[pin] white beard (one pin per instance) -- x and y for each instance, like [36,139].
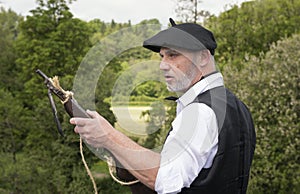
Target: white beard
[184,82]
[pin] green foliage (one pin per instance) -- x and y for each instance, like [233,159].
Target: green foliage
[160,116]
[101,29]
[41,162]
[9,21]
[35,159]
[151,89]
[252,28]
[270,86]
[33,156]
[13,123]
[109,186]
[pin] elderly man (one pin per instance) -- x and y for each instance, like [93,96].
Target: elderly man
[211,143]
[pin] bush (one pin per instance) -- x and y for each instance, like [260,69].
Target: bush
[270,86]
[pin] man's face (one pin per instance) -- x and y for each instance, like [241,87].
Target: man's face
[179,70]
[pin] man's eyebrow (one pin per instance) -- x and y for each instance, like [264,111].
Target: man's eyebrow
[171,51]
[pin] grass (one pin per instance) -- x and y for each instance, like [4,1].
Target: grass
[129,120]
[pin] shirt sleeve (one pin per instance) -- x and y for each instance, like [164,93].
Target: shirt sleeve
[190,146]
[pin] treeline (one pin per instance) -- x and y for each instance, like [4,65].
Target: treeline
[258,53]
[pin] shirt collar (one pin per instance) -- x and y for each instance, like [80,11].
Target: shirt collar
[208,82]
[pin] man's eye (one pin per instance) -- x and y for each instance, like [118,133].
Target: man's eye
[172,55]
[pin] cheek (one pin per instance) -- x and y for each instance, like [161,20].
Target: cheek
[180,69]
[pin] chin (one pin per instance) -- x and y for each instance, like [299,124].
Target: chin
[177,90]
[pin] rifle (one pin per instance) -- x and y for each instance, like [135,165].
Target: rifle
[75,110]
[66,97]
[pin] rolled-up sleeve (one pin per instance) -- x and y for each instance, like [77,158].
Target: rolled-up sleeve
[190,146]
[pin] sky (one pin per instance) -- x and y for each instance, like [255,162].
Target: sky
[122,10]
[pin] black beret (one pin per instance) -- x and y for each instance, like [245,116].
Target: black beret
[188,36]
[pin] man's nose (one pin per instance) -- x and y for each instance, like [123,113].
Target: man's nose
[164,65]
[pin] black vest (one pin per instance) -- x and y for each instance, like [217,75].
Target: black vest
[230,170]
[229,173]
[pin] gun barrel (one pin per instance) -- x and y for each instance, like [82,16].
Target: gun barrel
[41,74]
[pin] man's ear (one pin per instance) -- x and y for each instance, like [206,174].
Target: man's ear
[203,58]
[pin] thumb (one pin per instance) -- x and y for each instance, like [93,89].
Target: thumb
[73,121]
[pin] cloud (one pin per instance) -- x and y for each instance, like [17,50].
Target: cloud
[124,10]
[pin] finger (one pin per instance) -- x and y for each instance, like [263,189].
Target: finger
[76,129]
[78,121]
[80,130]
[73,121]
[92,114]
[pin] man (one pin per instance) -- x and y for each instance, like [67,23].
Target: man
[210,146]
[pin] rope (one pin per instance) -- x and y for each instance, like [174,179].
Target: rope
[111,164]
[87,168]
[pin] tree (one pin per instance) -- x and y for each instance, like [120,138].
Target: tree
[189,11]
[12,124]
[9,21]
[52,40]
[270,87]
[250,29]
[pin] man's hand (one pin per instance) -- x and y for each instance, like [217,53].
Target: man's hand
[97,132]
[94,130]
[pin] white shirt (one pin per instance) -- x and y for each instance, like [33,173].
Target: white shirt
[193,142]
